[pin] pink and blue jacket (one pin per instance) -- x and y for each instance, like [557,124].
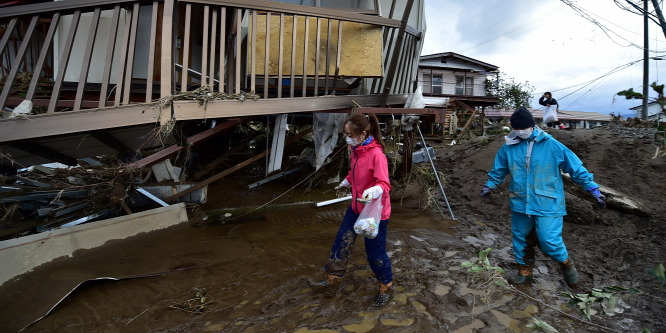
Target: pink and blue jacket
[368,168]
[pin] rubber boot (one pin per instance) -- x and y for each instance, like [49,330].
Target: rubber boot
[570,273]
[524,275]
[563,127]
[385,294]
[328,286]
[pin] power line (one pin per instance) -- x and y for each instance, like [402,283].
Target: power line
[608,32]
[512,30]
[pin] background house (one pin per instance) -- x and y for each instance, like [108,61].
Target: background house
[655,112]
[456,84]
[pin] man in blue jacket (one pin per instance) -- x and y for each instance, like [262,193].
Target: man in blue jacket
[534,159]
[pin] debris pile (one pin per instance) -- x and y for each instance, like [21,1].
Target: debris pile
[45,197]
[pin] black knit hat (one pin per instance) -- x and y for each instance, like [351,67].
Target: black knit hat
[522,119]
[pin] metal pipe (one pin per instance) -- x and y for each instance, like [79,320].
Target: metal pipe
[435,171]
[330,202]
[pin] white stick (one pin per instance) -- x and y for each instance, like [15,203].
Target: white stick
[330,202]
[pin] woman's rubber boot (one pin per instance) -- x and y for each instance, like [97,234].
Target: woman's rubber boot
[524,275]
[328,286]
[570,273]
[562,126]
[385,294]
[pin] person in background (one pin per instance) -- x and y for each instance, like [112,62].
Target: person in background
[547,100]
[368,179]
[534,159]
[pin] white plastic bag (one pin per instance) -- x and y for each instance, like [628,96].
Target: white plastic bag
[549,114]
[367,223]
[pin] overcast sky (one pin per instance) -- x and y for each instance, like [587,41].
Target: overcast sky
[548,44]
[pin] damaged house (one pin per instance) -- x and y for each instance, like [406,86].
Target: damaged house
[147,80]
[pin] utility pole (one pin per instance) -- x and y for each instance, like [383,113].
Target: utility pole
[646,59]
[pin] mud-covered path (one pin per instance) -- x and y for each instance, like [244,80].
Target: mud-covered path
[253,269]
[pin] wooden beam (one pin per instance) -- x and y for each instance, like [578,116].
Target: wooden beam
[9,80]
[214,163]
[166,67]
[110,48]
[396,54]
[231,170]
[87,55]
[191,141]
[469,122]
[64,60]
[107,139]
[151,54]
[47,153]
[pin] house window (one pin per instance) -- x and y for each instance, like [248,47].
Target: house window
[437,84]
[464,85]
[427,84]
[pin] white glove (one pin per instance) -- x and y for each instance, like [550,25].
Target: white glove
[373,192]
[343,184]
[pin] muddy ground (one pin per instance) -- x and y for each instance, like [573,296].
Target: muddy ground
[253,269]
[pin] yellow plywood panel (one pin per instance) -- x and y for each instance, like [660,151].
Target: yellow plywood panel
[361,54]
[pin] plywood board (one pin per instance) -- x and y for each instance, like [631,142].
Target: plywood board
[361,53]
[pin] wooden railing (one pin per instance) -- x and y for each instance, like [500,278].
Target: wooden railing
[74,54]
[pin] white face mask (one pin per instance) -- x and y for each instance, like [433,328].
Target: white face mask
[353,141]
[524,133]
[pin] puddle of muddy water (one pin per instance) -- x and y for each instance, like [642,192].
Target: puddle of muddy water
[253,270]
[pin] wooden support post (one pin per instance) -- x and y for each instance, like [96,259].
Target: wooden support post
[396,54]
[166,67]
[407,150]
[469,122]
[277,148]
[483,120]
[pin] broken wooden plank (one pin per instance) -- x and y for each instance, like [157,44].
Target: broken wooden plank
[275,176]
[214,163]
[35,149]
[232,169]
[58,212]
[40,195]
[30,182]
[191,141]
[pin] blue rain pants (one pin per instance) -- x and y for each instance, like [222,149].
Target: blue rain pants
[375,250]
[548,231]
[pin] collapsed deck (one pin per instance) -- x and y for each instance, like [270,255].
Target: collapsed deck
[98,77]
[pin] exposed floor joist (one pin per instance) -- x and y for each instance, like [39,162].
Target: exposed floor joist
[49,154]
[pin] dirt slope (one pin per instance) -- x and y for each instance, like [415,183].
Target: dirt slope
[613,246]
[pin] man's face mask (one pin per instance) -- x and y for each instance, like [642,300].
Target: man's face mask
[524,133]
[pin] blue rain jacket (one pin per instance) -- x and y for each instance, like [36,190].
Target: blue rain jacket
[537,190]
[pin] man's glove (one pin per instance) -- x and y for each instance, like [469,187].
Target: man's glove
[341,190]
[374,192]
[601,199]
[485,194]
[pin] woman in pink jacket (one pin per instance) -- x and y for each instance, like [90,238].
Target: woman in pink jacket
[368,179]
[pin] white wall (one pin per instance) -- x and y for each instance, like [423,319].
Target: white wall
[98,60]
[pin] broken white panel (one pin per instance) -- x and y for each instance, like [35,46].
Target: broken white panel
[21,255]
[326,127]
[277,147]
[164,171]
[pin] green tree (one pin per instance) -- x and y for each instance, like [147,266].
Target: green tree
[511,94]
